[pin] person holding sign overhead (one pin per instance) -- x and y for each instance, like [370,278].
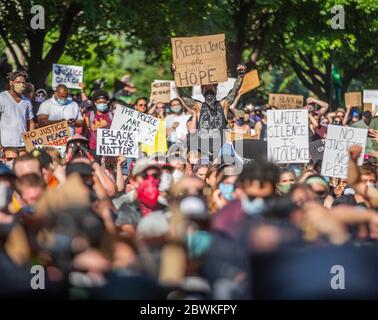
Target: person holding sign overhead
[58,108]
[212,114]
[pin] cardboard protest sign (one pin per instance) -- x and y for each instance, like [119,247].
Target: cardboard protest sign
[250,82]
[287,133]
[317,150]
[199,60]
[52,135]
[368,107]
[353,99]
[113,143]
[70,76]
[161,92]
[222,90]
[127,119]
[285,101]
[336,155]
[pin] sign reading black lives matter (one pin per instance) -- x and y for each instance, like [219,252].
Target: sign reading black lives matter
[199,60]
[115,143]
[127,119]
[288,136]
[70,76]
[336,151]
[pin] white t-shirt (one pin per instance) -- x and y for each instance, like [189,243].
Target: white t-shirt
[13,119]
[181,131]
[55,111]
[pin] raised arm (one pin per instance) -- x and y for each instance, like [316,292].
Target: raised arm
[323,105]
[229,100]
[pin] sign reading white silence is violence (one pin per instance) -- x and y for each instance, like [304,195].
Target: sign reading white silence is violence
[288,136]
[127,119]
[336,150]
[115,143]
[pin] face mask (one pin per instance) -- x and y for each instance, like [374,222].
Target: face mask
[176,109]
[148,191]
[210,97]
[227,191]
[165,181]
[239,122]
[28,209]
[285,188]
[19,88]
[39,99]
[9,164]
[198,243]
[101,107]
[62,102]
[253,207]
[177,175]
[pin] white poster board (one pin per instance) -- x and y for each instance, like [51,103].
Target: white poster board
[336,149]
[113,143]
[287,134]
[222,90]
[70,76]
[173,88]
[371,96]
[127,119]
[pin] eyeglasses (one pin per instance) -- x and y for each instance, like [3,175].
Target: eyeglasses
[156,175]
[142,105]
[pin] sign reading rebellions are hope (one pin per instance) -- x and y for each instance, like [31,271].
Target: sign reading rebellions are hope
[199,60]
[52,135]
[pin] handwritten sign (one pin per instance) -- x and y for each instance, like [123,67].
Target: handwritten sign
[199,60]
[52,135]
[250,82]
[336,155]
[222,90]
[127,119]
[114,143]
[288,136]
[70,76]
[161,92]
[371,96]
[368,107]
[353,99]
[285,101]
[173,93]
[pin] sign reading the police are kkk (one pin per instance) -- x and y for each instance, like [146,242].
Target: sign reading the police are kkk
[161,92]
[127,119]
[115,143]
[285,101]
[336,149]
[199,60]
[52,135]
[288,136]
[70,76]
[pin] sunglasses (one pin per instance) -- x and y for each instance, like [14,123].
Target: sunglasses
[142,105]
[156,175]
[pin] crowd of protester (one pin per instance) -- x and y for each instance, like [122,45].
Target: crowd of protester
[179,224]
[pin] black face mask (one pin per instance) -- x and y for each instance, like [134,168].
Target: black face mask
[210,97]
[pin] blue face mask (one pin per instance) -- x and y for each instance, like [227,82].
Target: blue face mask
[253,207]
[62,102]
[101,107]
[227,191]
[198,243]
[239,122]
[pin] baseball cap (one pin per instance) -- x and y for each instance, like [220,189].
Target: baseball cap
[77,137]
[144,164]
[83,169]
[240,114]
[194,207]
[153,225]
[340,110]
[100,94]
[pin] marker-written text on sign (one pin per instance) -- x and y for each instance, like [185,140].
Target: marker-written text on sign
[115,143]
[288,136]
[199,60]
[336,152]
[127,119]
